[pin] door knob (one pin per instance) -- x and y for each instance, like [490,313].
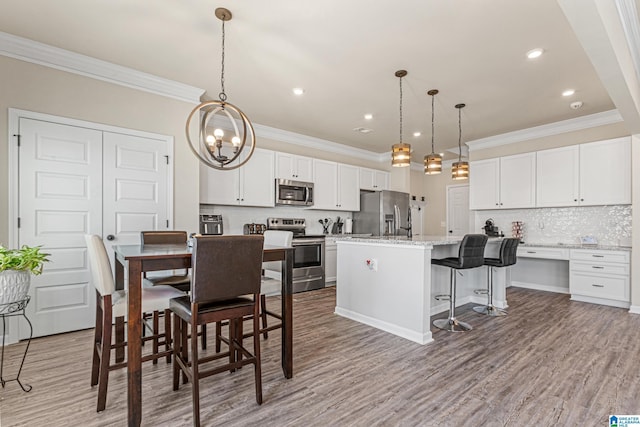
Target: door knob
[111,237]
[450,231]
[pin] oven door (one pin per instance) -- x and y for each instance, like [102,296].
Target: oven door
[308,253]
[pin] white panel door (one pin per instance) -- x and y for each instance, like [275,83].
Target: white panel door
[458,210]
[558,177]
[484,185]
[60,200]
[518,181]
[257,179]
[325,181]
[348,188]
[605,172]
[134,188]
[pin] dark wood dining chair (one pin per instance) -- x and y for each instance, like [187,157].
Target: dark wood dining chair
[180,281]
[225,285]
[113,304]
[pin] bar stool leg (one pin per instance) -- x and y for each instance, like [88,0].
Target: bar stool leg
[452,324]
[490,309]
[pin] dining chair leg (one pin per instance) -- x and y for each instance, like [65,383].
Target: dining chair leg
[195,383]
[256,355]
[185,349]
[218,333]
[203,336]
[156,329]
[167,333]
[263,314]
[97,344]
[103,379]
[232,339]
[177,348]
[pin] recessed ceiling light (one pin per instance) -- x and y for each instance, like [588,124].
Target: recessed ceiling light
[368,116]
[417,134]
[441,154]
[568,92]
[535,53]
[298,91]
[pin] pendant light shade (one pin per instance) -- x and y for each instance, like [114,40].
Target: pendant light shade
[225,137]
[432,162]
[460,169]
[401,152]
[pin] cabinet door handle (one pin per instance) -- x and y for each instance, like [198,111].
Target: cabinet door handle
[598,256]
[531,252]
[598,267]
[597,286]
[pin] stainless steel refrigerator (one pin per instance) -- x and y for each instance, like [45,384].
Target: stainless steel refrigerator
[383,213]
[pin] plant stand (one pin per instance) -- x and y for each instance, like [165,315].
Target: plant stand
[12,309]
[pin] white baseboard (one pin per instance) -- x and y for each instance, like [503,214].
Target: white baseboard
[538,287]
[415,336]
[601,301]
[634,309]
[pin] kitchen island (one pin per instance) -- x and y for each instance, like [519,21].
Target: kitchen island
[389,283]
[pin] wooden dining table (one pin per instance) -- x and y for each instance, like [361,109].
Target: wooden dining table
[134,260]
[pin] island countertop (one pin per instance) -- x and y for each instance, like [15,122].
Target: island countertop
[414,241]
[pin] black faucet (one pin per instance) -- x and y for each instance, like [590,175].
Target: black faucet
[408,227]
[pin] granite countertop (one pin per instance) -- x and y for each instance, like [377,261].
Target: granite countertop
[414,241]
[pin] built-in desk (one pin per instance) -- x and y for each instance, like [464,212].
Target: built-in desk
[595,274]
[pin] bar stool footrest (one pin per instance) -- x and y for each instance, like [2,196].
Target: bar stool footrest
[452,325]
[490,310]
[444,297]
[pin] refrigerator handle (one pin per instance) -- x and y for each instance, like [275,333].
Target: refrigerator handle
[396,220]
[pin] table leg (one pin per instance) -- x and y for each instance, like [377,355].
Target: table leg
[134,329]
[287,314]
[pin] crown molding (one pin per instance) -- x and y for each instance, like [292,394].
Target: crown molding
[293,138]
[629,17]
[64,60]
[557,128]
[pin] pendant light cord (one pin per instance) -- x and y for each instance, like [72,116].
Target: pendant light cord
[400,110]
[222,95]
[459,135]
[433,98]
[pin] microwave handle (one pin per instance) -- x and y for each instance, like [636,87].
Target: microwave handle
[307,194]
[396,220]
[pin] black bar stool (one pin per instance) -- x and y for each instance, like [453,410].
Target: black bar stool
[470,255]
[508,256]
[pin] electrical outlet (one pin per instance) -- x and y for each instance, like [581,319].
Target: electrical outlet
[372,264]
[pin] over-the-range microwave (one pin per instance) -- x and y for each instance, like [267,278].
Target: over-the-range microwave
[294,192]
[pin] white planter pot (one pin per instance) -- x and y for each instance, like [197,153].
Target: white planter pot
[14,285]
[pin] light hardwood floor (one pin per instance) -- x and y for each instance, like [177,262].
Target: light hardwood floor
[551,362]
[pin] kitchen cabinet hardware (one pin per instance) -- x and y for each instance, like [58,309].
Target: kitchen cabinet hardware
[597,286]
[597,256]
[598,267]
[111,237]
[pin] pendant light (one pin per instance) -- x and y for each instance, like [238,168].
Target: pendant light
[401,152]
[460,169]
[215,148]
[432,162]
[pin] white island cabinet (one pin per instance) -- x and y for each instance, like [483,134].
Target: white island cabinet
[389,283]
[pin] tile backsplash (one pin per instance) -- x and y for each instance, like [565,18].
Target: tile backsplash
[609,224]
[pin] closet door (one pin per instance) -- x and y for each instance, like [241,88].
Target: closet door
[60,200]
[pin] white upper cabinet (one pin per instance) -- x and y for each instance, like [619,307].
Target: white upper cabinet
[503,183]
[605,172]
[597,173]
[558,177]
[250,185]
[518,181]
[372,179]
[296,168]
[336,186]
[484,185]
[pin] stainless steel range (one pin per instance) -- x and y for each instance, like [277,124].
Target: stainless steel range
[308,260]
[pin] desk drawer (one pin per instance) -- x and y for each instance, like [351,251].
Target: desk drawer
[603,268]
[592,285]
[600,256]
[546,253]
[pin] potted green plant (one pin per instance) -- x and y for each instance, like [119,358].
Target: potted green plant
[16,268]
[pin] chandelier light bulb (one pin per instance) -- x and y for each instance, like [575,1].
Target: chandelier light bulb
[210,139]
[235,141]
[218,133]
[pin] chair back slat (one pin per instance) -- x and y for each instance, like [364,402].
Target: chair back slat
[225,267]
[471,253]
[99,264]
[509,251]
[164,237]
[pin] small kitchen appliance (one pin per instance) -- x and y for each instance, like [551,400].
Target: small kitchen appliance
[211,224]
[490,229]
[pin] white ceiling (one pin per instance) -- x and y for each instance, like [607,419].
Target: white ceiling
[344,54]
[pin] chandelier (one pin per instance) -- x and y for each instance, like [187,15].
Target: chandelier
[460,169]
[401,152]
[224,131]
[433,161]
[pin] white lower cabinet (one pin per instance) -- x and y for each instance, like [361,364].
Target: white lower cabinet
[330,260]
[600,276]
